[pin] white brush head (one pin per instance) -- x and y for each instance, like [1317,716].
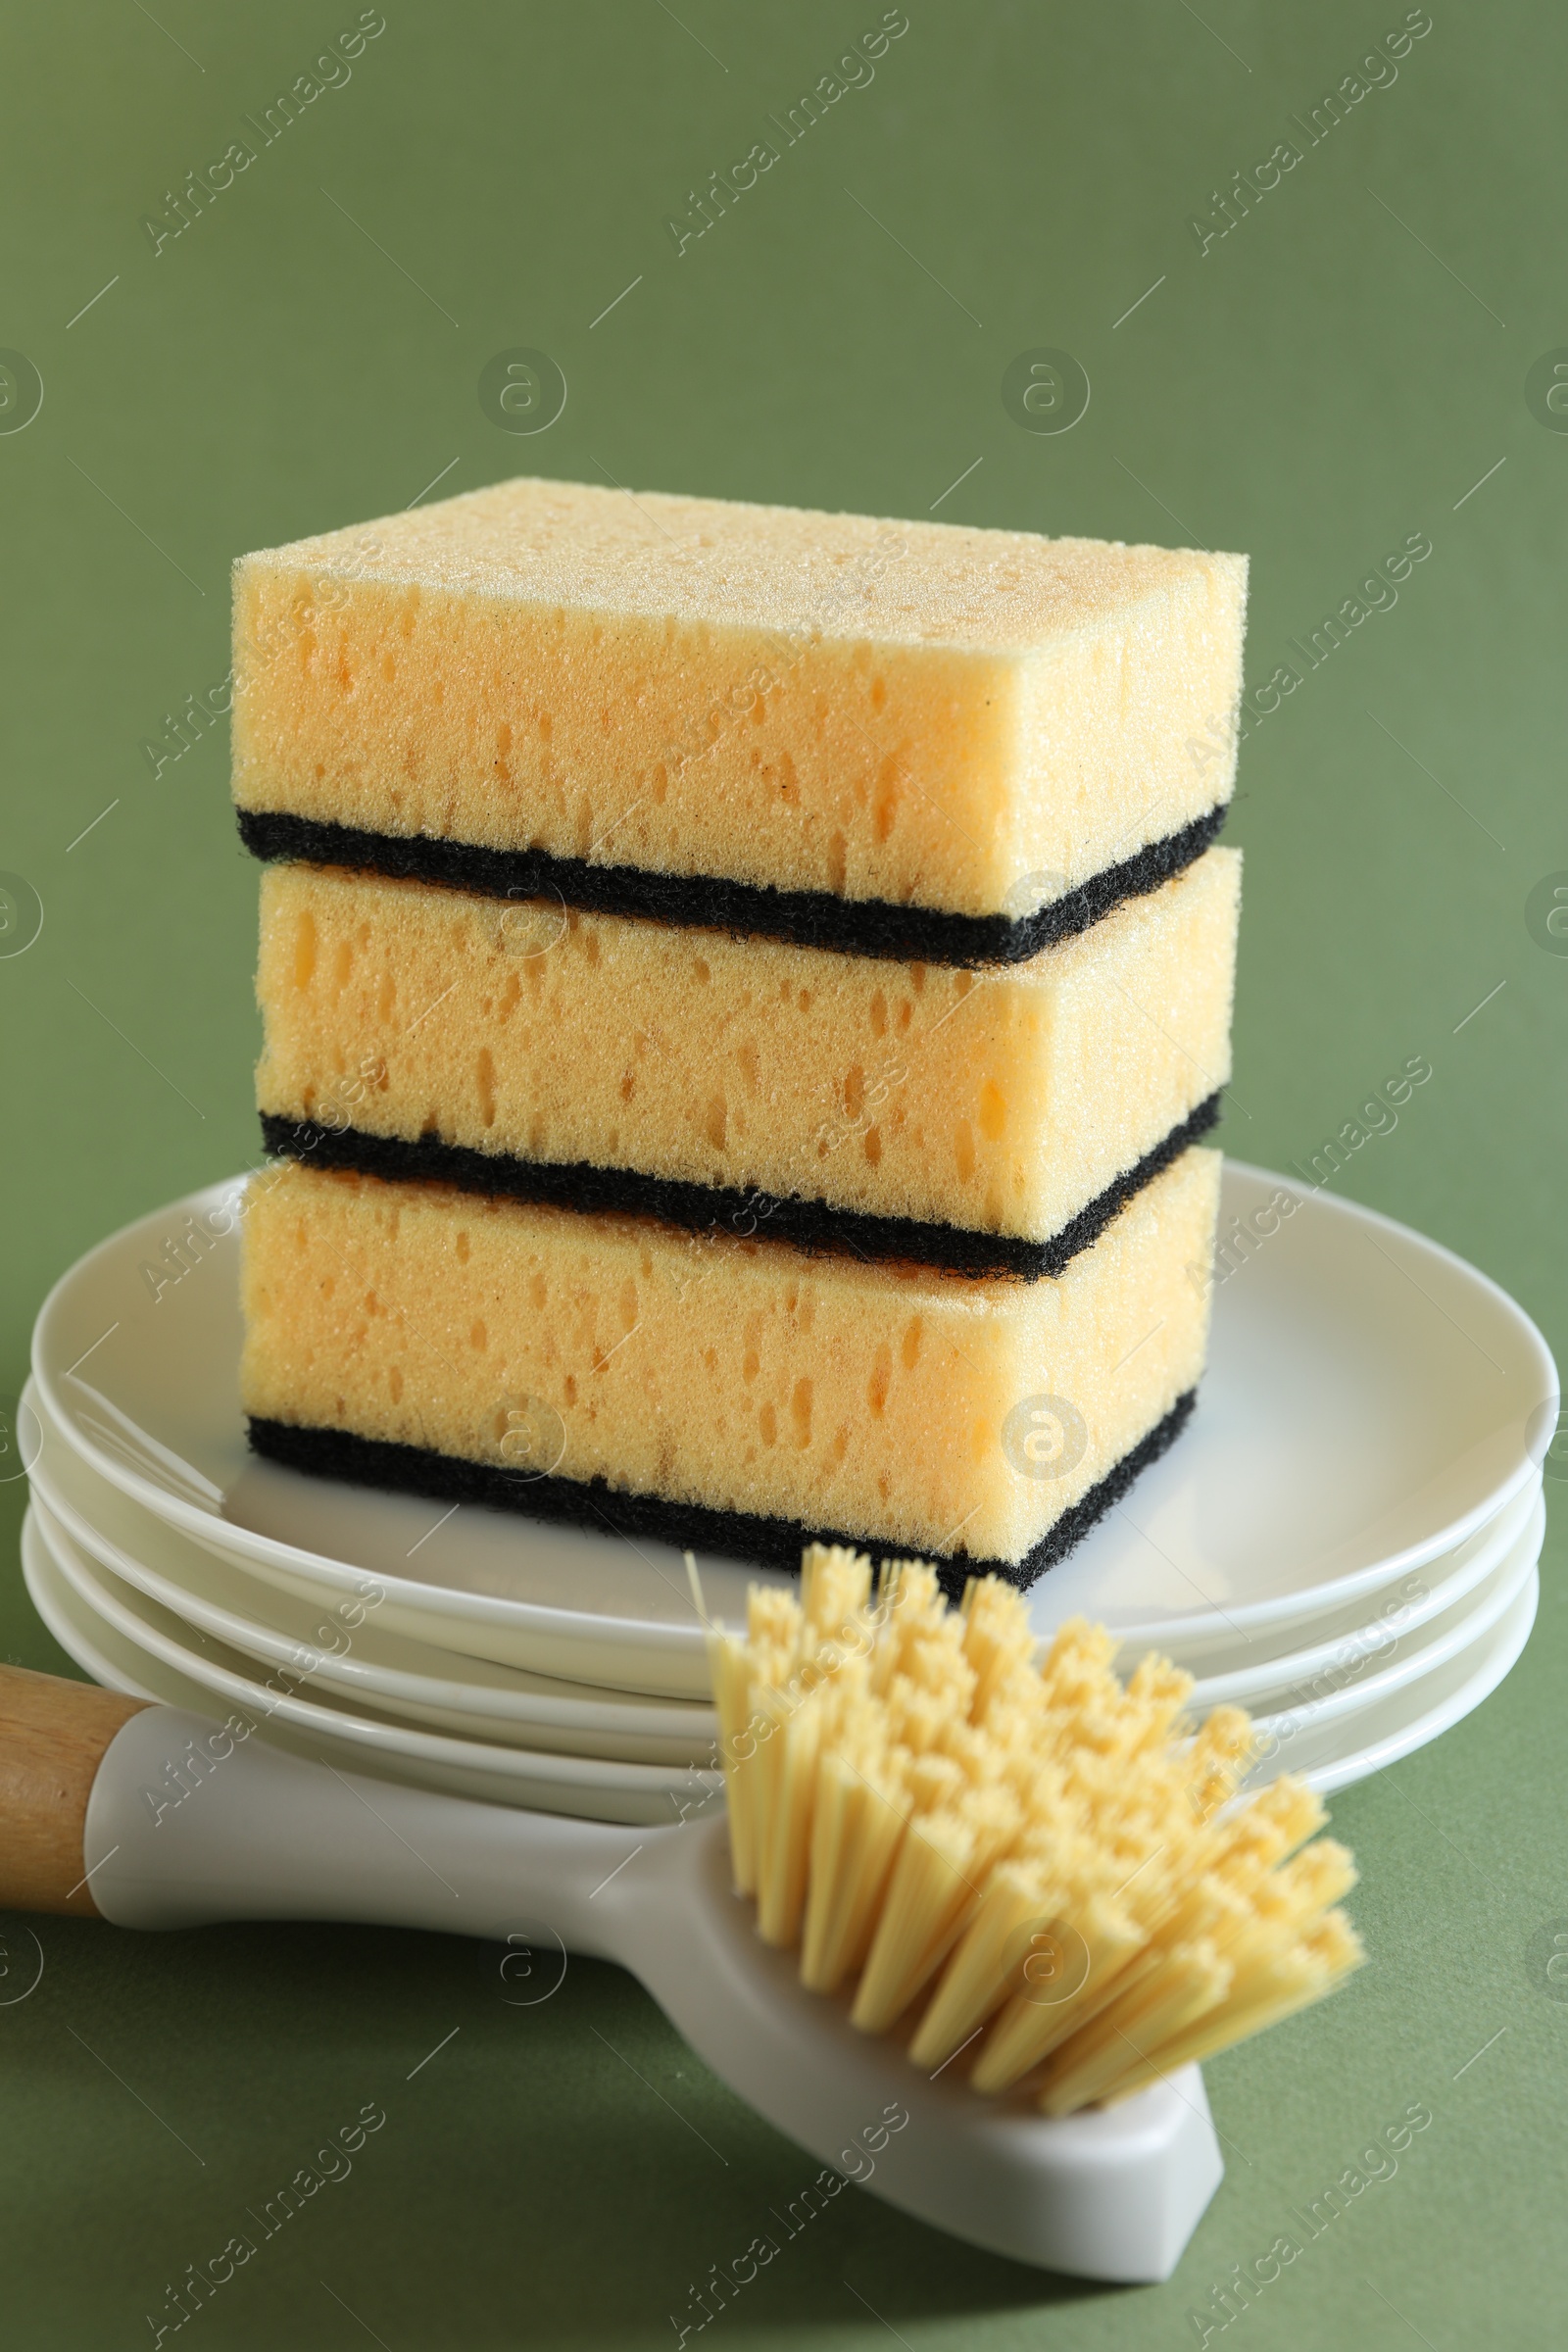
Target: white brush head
[1111,2194]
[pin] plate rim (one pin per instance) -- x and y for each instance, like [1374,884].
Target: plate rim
[1514,1572]
[554,1622]
[404,1742]
[1220,1689]
[610,1712]
[1365,1763]
[1506,1646]
[612,1704]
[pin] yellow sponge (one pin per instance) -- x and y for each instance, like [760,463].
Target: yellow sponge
[1002,1102]
[728,1394]
[915,715]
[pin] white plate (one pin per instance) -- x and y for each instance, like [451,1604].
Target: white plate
[1329,1755]
[1333,1755]
[1340,1691]
[1355,1684]
[1412,1616]
[356,1660]
[1371,1402]
[1423,1619]
[128,1642]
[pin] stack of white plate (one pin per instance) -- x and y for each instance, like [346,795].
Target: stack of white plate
[1344,1542]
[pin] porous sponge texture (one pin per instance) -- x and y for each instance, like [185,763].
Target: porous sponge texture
[890,1402]
[1001,1102]
[920,714]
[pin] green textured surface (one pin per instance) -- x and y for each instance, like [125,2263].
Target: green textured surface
[1333,374]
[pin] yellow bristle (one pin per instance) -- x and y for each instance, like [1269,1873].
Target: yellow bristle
[1192,1981]
[1056,1864]
[911,1608]
[1296,1811]
[1318,1877]
[835,1585]
[786,1762]
[859,1822]
[1334,1943]
[1076,1670]
[931,1887]
[772,1615]
[1296,1979]
[981,1973]
[1159,1692]
[993,1814]
[1208,1904]
[1092,1941]
[1218,1761]
[1250,1850]
[997,1640]
[933,1781]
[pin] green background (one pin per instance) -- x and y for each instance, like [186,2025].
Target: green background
[1335,373]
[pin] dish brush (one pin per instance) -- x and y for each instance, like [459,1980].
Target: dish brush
[971,1889]
[1030,1872]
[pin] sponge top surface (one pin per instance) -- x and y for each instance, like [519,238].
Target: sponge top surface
[582,548]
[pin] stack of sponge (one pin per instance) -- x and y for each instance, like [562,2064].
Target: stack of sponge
[743,989]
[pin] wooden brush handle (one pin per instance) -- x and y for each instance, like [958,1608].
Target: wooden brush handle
[53,1735]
